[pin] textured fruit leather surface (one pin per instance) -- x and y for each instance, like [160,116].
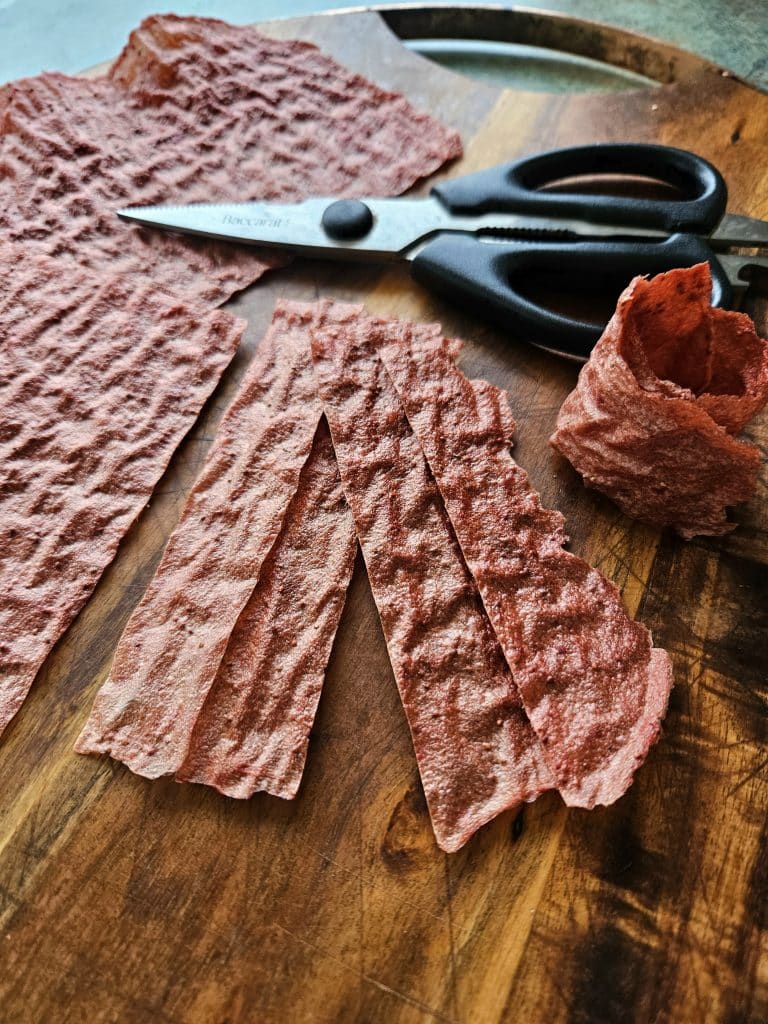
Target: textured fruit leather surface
[125,899]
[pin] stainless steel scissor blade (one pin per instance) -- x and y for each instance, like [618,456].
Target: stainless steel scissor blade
[398,226]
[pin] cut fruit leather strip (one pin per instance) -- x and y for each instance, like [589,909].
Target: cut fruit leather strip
[84,441]
[476,751]
[196,110]
[594,689]
[253,730]
[170,651]
[650,420]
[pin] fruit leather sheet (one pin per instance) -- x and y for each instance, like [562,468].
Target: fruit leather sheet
[99,381]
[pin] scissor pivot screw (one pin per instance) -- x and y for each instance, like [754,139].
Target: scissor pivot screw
[347,219]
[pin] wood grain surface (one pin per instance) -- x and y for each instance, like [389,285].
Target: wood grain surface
[136,902]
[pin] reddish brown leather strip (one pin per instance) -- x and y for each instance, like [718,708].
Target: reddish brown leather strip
[594,689]
[476,751]
[170,651]
[252,732]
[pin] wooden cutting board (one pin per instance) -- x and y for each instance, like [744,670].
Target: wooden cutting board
[132,901]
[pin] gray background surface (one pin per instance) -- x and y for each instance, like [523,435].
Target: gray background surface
[37,35]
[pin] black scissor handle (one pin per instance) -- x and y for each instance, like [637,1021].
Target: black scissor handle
[513,187]
[480,276]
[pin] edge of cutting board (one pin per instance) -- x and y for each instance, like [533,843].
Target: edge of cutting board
[581,37]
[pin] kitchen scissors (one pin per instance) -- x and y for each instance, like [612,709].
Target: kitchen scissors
[475,238]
